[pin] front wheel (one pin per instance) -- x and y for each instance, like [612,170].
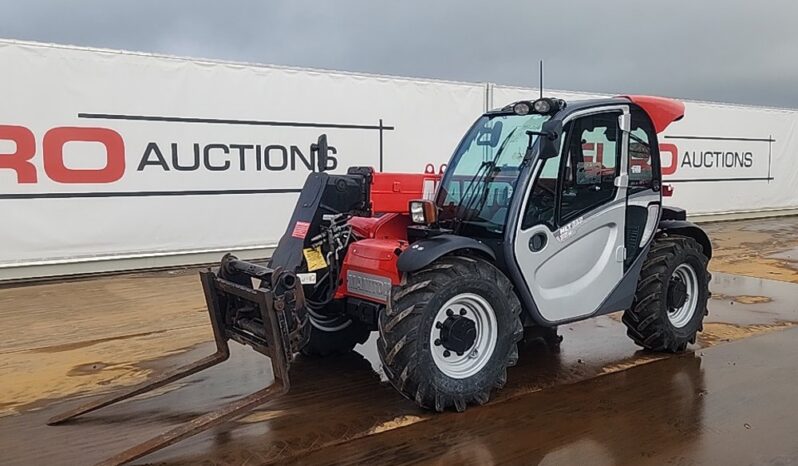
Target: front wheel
[449,333]
[671,298]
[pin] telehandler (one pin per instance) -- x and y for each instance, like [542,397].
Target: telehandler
[547,213]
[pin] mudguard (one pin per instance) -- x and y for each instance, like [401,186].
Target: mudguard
[689,229]
[425,251]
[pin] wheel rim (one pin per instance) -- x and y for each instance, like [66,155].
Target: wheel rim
[680,314]
[485,333]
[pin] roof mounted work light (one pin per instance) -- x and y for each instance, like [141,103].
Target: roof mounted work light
[522,108]
[544,106]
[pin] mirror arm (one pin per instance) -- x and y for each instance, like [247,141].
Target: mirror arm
[550,135]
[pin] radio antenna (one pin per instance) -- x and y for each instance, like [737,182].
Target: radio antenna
[541,79]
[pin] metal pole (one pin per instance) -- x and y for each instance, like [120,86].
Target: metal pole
[541,79]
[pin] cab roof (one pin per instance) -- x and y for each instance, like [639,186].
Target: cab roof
[661,110]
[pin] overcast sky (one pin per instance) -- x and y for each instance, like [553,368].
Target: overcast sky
[723,50]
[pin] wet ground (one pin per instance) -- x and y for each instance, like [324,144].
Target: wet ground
[598,401]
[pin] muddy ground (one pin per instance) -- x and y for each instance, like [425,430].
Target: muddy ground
[732,399]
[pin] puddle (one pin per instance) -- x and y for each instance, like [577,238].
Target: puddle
[681,410]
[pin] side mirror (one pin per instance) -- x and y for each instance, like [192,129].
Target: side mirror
[549,139]
[321,149]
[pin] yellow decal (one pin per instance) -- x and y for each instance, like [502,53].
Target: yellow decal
[314,258]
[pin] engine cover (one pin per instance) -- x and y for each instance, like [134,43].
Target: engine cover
[369,269]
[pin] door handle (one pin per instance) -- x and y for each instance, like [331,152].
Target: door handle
[537,242]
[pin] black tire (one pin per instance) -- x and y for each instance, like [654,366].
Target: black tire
[405,326]
[647,321]
[326,343]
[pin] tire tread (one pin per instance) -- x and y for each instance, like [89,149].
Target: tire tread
[399,324]
[647,325]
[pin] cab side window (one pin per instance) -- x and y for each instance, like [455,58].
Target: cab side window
[641,153]
[592,152]
[542,202]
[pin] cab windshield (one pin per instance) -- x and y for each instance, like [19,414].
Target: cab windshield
[479,181]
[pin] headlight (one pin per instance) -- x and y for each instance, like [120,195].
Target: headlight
[423,212]
[417,212]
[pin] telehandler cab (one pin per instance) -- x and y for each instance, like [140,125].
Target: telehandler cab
[548,213]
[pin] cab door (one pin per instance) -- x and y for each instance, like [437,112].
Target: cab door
[570,240]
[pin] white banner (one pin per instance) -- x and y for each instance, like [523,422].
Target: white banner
[107,154]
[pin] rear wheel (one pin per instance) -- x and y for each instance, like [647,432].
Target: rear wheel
[449,333]
[671,298]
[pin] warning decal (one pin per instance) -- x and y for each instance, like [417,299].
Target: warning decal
[301,230]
